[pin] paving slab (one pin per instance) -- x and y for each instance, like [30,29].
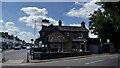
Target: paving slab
[14,61]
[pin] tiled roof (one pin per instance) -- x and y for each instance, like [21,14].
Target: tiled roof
[72,28]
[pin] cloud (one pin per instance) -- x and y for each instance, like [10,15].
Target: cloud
[92,35]
[35,16]
[84,11]
[1,21]
[75,24]
[80,3]
[35,11]
[12,29]
[26,36]
[1,25]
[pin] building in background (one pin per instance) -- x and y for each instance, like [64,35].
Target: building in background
[95,45]
[9,41]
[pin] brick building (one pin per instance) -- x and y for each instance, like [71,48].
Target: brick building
[64,38]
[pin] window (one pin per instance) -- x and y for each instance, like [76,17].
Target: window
[67,33]
[80,35]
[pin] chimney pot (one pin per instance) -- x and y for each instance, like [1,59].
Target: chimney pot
[60,23]
[83,24]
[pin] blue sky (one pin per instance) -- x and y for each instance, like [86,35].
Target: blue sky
[18,15]
[11,11]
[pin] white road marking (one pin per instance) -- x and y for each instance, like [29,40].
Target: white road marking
[94,62]
[87,63]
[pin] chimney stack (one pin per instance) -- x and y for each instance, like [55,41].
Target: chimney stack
[83,24]
[60,23]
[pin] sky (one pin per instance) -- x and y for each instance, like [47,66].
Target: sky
[19,18]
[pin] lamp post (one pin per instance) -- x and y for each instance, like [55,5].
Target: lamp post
[27,54]
[85,45]
[34,30]
[32,40]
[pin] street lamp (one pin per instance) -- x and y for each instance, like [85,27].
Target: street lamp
[32,40]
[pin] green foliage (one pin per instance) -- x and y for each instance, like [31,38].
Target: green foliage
[37,42]
[106,24]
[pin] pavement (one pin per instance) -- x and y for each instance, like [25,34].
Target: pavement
[15,56]
[56,59]
[14,62]
[66,58]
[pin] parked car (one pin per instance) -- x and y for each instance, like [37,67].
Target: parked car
[17,48]
[28,47]
[24,47]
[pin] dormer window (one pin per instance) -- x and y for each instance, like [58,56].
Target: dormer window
[80,35]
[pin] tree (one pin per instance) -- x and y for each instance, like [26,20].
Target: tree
[37,42]
[106,24]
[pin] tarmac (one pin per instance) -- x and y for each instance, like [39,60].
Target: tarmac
[47,60]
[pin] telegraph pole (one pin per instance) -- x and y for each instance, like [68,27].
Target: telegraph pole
[35,28]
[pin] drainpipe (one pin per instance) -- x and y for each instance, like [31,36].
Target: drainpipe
[85,46]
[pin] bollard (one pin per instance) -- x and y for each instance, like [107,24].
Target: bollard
[27,57]
[3,55]
[3,59]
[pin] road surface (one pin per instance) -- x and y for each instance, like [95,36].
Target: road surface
[15,54]
[94,61]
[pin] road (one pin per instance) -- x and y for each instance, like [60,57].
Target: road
[99,60]
[15,54]
[109,60]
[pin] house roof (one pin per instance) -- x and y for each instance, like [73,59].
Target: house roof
[65,28]
[72,28]
[52,30]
